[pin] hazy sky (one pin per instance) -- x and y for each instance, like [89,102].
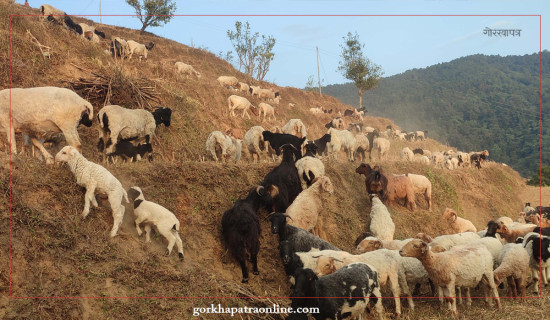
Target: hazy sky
[397,43]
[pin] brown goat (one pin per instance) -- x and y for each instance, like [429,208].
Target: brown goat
[510,235]
[400,187]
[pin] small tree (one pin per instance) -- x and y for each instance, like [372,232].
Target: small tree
[153,13]
[543,179]
[255,58]
[364,73]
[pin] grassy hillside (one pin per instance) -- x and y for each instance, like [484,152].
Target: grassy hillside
[473,103]
[55,253]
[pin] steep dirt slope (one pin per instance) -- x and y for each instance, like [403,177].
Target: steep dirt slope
[56,253]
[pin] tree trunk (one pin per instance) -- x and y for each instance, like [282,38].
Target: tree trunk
[360,98]
[143,28]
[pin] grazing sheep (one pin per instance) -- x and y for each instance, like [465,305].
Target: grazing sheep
[382,146]
[457,223]
[266,109]
[90,33]
[42,113]
[438,159]
[277,140]
[478,157]
[218,143]
[48,12]
[269,95]
[400,187]
[139,49]
[254,141]
[538,249]
[336,123]
[357,281]
[420,135]
[254,90]
[422,185]
[119,47]
[228,81]
[511,234]
[309,167]
[304,210]
[361,146]
[407,154]
[241,231]
[295,127]
[243,87]
[381,224]
[454,268]
[94,178]
[155,215]
[126,150]
[513,263]
[118,123]
[316,110]
[235,102]
[424,160]
[463,159]
[186,69]
[340,139]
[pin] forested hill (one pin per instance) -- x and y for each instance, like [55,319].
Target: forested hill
[474,103]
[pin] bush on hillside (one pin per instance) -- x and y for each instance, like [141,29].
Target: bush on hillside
[544,179]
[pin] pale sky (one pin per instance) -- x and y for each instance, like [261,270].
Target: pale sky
[397,43]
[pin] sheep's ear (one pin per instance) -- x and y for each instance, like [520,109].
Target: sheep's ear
[378,244]
[273,191]
[424,248]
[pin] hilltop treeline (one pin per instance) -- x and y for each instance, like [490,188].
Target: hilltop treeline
[474,103]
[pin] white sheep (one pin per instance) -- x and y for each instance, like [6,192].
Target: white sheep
[295,127]
[155,215]
[219,143]
[381,224]
[505,220]
[42,113]
[438,159]
[118,123]
[513,263]
[267,110]
[318,110]
[419,135]
[228,81]
[235,102]
[304,210]
[186,69]
[463,159]
[254,141]
[340,139]
[457,223]
[269,95]
[454,268]
[243,87]
[423,160]
[361,142]
[407,154]
[373,243]
[254,90]
[94,178]
[309,168]
[448,241]
[139,49]
[90,33]
[382,145]
[492,244]
[422,185]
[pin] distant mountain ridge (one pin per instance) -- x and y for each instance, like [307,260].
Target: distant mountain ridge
[474,103]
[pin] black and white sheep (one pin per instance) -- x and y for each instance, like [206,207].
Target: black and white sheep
[343,294]
[309,167]
[118,123]
[321,144]
[42,113]
[95,178]
[154,215]
[241,231]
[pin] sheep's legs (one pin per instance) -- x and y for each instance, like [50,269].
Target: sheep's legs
[491,281]
[378,305]
[90,191]
[255,248]
[118,213]
[536,278]
[451,294]
[512,288]
[45,153]
[147,229]
[171,242]
[394,283]
[406,290]
[179,244]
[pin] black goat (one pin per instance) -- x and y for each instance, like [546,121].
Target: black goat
[321,143]
[311,149]
[282,184]
[241,231]
[418,151]
[277,140]
[492,227]
[127,150]
[71,25]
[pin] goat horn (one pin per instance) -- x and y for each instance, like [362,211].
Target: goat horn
[286,215]
[269,215]
[337,260]
[315,257]
[258,189]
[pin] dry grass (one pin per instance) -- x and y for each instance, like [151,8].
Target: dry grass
[57,253]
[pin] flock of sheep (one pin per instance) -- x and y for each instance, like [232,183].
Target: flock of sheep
[295,192]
